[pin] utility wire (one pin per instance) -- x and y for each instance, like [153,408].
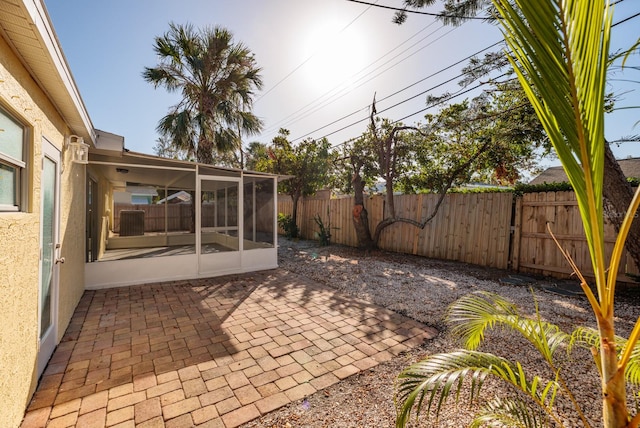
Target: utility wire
[409,86]
[339,88]
[417,12]
[442,101]
[311,56]
[447,99]
[359,83]
[413,114]
[626,19]
[406,100]
[439,15]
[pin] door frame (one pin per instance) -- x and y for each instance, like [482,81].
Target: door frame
[47,342]
[210,264]
[92,223]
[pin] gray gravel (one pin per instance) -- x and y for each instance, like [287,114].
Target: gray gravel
[422,289]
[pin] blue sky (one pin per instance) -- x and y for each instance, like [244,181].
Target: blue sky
[322,62]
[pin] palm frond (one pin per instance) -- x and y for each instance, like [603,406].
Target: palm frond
[626,54]
[178,126]
[225,140]
[216,78]
[511,412]
[565,65]
[433,380]
[472,315]
[589,338]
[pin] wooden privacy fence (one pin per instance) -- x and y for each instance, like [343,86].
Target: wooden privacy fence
[472,228]
[488,229]
[539,254]
[177,216]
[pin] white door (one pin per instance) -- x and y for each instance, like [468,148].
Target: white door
[49,254]
[218,225]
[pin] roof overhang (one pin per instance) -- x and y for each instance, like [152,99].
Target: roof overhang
[27,28]
[147,170]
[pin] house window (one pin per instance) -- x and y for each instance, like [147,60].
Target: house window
[12,164]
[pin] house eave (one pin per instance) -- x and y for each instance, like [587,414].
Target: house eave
[27,28]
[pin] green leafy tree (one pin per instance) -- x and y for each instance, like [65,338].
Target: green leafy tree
[256,151]
[559,49]
[216,79]
[165,148]
[308,163]
[490,138]
[354,171]
[497,131]
[617,191]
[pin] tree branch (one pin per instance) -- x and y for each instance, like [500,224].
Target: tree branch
[388,221]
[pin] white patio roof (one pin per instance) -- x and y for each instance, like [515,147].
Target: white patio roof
[131,167]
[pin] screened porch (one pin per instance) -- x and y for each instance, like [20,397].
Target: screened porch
[156,219]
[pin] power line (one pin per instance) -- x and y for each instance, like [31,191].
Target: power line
[359,83]
[409,86]
[311,56]
[439,15]
[339,88]
[444,15]
[413,114]
[626,19]
[457,94]
[442,101]
[406,100]
[337,94]
[446,99]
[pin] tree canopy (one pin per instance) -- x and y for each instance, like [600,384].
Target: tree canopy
[216,78]
[307,164]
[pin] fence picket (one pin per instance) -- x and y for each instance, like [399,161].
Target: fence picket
[488,229]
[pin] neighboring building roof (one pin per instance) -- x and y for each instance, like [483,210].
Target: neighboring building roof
[142,191]
[555,174]
[176,198]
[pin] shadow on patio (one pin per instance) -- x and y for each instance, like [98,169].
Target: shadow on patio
[212,352]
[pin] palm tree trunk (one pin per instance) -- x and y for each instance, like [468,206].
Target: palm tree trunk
[614,394]
[204,153]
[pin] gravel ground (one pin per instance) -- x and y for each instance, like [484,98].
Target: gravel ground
[422,289]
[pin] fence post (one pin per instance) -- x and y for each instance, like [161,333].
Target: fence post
[516,233]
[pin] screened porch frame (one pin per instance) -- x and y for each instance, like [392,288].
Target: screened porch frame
[241,255]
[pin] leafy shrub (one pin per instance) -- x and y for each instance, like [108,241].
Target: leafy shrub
[324,235]
[286,223]
[481,190]
[521,189]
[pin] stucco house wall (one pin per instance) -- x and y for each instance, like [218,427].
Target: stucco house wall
[37,90]
[22,97]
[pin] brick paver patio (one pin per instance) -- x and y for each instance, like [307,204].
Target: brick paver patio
[215,352]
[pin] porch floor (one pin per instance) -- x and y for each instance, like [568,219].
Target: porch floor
[215,352]
[175,250]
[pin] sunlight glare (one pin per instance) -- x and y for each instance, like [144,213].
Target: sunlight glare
[337,57]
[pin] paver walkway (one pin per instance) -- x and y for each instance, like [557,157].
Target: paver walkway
[215,352]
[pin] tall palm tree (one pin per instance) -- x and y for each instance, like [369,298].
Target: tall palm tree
[559,49]
[217,79]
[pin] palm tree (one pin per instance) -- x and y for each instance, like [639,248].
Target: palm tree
[216,78]
[559,49]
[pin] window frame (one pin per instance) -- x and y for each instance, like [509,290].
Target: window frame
[19,166]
